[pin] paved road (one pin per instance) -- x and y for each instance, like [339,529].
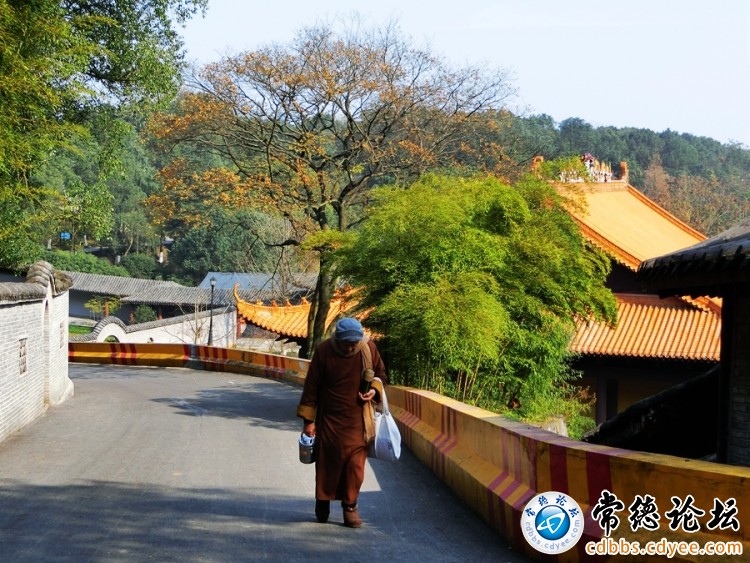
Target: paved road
[155,464]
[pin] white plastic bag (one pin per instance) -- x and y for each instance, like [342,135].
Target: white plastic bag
[387,442]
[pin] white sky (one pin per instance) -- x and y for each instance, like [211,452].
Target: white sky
[682,65]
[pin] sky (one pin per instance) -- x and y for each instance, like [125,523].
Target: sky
[682,65]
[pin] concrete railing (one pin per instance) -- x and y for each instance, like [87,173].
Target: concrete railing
[497,465]
[190,356]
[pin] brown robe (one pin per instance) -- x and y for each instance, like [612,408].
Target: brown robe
[330,398]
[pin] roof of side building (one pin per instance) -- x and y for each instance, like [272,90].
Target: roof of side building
[116,286]
[287,320]
[650,327]
[631,228]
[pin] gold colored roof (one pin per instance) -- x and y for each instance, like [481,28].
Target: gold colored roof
[627,225]
[650,327]
[631,228]
[286,320]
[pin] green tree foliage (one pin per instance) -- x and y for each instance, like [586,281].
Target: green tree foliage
[83,262]
[59,62]
[138,56]
[84,204]
[101,179]
[143,266]
[527,137]
[130,183]
[103,305]
[475,285]
[231,242]
[40,52]
[144,314]
[574,133]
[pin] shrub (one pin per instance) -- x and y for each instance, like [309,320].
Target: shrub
[141,266]
[144,314]
[83,262]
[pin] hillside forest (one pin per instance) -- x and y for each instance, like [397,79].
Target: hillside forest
[700,180]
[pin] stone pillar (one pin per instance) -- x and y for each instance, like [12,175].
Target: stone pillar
[624,172]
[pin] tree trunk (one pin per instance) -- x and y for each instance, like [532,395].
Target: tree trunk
[320,306]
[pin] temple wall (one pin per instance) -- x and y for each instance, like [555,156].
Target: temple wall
[33,350]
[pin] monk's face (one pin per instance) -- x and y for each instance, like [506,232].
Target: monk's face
[349,347]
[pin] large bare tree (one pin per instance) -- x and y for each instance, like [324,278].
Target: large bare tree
[308,127]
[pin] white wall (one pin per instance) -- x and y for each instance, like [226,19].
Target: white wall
[33,348]
[187,329]
[21,392]
[60,386]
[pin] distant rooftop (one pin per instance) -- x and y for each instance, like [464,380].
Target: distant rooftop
[116,286]
[263,286]
[650,327]
[627,225]
[253,287]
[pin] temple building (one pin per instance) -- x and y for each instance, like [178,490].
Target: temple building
[657,343]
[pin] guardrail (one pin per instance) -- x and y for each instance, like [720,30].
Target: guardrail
[190,356]
[497,465]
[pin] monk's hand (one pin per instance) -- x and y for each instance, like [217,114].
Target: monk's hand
[367,396]
[309,429]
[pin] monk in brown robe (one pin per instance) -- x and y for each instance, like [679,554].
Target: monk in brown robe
[335,407]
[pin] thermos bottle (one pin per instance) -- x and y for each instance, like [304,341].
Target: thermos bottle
[306,444]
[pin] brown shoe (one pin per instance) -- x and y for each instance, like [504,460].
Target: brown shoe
[322,510]
[351,517]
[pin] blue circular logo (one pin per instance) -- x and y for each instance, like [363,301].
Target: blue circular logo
[552,522]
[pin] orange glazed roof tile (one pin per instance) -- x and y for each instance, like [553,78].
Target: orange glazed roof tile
[650,327]
[631,228]
[287,320]
[627,225]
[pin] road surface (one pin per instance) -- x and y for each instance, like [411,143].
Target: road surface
[166,464]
